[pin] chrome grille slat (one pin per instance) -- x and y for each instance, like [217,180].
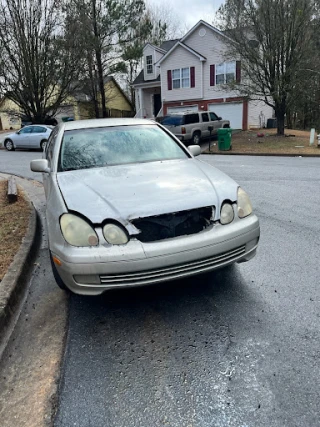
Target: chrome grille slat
[168,269]
[171,272]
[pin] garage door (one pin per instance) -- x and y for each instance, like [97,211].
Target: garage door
[175,110]
[229,111]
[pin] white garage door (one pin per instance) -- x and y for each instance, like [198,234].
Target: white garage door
[175,110]
[229,111]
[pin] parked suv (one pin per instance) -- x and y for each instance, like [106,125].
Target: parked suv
[194,126]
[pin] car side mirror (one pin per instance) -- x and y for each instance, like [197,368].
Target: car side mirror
[40,165]
[195,150]
[219,118]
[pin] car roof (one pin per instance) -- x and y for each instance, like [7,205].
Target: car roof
[183,113]
[39,124]
[96,123]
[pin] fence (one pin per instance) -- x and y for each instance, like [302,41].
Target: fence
[112,112]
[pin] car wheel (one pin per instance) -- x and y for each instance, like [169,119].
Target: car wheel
[43,144]
[196,138]
[9,145]
[56,275]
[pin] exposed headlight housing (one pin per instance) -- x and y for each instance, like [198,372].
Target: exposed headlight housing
[115,234]
[244,204]
[226,213]
[77,232]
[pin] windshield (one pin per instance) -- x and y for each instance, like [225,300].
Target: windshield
[172,120]
[97,147]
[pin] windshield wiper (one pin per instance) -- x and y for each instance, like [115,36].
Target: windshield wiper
[84,167]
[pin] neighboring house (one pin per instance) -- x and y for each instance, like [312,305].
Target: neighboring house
[9,115]
[191,74]
[79,105]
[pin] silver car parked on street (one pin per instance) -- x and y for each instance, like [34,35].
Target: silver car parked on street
[128,205]
[33,136]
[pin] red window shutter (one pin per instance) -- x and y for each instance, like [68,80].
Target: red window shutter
[238,71]
[212,75]
[192,77]
[169,80]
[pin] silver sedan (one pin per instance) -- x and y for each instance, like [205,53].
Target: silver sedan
[129,205]
[33,136]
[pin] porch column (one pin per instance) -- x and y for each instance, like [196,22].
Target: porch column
[141,102]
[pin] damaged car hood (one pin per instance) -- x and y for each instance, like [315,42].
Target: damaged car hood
[127,192]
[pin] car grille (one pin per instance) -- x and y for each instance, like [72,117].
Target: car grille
[172,225]
[170,273]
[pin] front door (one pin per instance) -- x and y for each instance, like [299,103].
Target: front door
[156,104]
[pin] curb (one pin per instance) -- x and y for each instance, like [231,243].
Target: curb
[229,153]
[13,286]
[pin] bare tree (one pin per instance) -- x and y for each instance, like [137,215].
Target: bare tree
[158,23]
[164,13]
[273,39]
[39,58]
[106,27]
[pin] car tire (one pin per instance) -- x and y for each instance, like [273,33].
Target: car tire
[57,277]
[196,138]
[43,144]
[9,145]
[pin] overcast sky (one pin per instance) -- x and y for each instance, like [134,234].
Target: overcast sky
[191,11]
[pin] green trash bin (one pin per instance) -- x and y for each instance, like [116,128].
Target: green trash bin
[224,139]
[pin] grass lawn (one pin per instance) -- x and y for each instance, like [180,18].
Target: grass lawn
[13,225]
[247,142]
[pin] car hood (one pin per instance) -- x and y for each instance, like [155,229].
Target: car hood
[133,191]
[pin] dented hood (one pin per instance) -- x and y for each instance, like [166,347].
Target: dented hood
[133,191]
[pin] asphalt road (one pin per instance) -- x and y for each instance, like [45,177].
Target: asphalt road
[18,163]
[236,348]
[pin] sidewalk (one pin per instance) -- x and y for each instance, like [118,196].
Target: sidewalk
[31,362]
[13,286]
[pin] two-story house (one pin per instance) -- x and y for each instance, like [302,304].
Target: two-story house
[192,74]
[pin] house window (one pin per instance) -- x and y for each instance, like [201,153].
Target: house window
[149,63]
[226,73]
[181,78]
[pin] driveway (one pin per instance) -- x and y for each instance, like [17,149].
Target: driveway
[235,348]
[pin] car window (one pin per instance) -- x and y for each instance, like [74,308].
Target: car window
[172,120]
[191,118]
[38,129]
[50,145]
[119,145]
[205,117]
[25,130]
[213,116]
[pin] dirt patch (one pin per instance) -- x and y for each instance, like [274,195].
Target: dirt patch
[295,142]
[13,226]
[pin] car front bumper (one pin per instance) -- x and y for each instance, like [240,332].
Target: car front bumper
[92,271]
